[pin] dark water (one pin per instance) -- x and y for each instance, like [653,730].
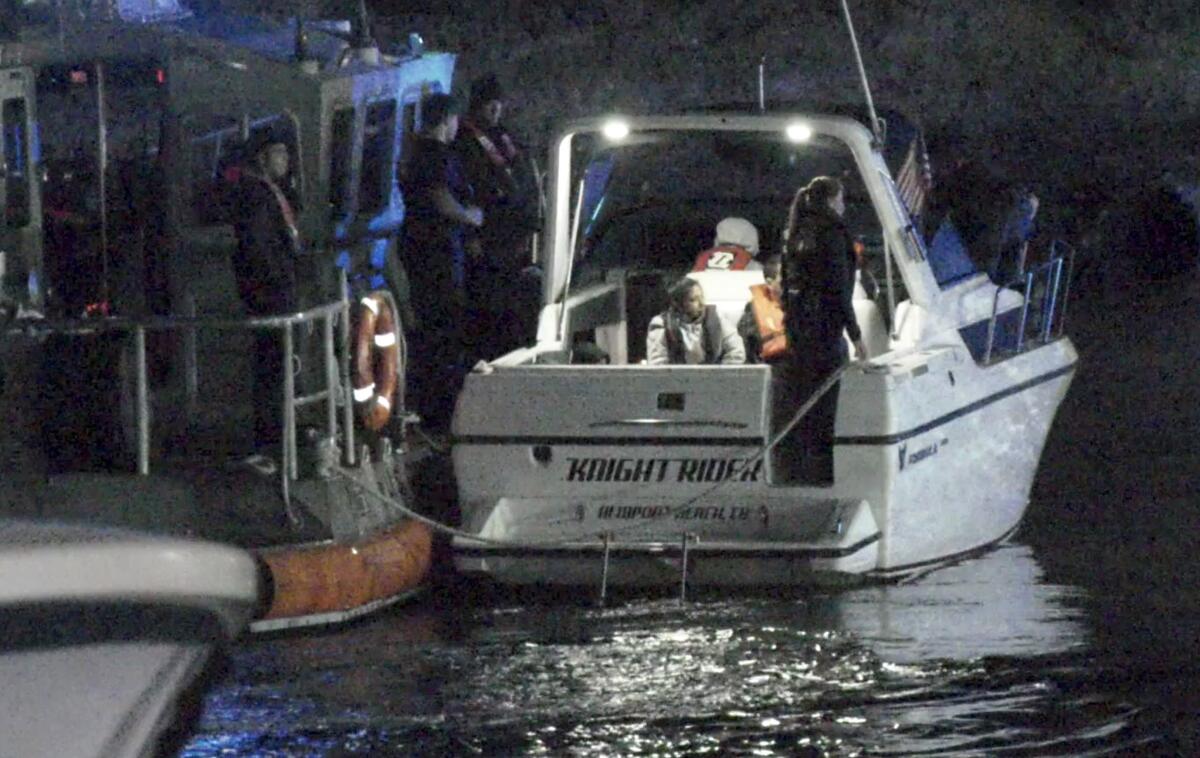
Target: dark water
[987,657]
[1080,638]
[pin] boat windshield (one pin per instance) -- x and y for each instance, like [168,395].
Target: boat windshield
[652,203]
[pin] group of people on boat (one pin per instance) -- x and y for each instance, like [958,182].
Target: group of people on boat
[795,320]
[464,287]
[471,210]
[468,294]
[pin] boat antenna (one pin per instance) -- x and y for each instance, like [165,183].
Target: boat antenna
[301,40]
[363,36]
[762,83]
[876,126]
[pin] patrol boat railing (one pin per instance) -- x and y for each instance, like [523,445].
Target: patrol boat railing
[1041,287]
[336,373]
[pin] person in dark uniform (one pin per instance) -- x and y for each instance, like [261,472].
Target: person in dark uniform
[503,290]
[264,265]
[818,287]
[439,212]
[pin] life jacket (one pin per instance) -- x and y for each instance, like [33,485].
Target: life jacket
[710,336]
[723,258]
[500,155]
[286,212]
[768,319]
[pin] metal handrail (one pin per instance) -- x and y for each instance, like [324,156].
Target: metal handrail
[1052,271]
[326,313]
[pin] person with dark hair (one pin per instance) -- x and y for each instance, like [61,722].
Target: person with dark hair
[818,287]
[761,324]
[264,265]
[439,211]
[690,331]
[502,288]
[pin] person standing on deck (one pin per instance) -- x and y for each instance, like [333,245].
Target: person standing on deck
[264,265]
[503,289]
[818,287]
[439,212]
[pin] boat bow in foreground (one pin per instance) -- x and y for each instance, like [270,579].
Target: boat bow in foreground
[104,629]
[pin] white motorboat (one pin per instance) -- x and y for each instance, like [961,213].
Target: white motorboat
[103,629]
[616,472]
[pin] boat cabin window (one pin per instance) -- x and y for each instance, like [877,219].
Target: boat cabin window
[208,156]
[15,166]
[376,174]
[378,158]
[340,152]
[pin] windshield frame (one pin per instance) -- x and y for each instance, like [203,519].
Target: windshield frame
[557,257]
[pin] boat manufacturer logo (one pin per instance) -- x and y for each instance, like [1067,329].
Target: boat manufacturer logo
[650,470]
[917,456]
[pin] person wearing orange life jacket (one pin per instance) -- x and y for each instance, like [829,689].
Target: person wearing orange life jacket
[761,324]
[734,246]
[691,332]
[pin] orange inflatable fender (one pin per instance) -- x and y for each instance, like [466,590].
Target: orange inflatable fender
[376,360]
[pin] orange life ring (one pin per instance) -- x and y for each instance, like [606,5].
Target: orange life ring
[376,359]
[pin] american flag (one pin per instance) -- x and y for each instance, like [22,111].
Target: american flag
[915,178]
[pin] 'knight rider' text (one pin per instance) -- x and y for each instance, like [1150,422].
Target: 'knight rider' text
[698,470]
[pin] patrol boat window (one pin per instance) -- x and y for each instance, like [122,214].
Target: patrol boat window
[378,157]
[340,151]
[15,164]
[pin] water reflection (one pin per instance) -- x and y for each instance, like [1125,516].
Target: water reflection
[996,605]
[966,660]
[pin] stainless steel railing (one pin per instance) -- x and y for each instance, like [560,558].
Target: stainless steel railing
[1050,322]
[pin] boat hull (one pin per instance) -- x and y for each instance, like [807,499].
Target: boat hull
[649,544]
[935,457]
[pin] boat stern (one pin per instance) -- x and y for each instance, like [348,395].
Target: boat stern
[655,544]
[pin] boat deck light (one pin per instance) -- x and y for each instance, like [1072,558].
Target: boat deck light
[615,129]
[799,132]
